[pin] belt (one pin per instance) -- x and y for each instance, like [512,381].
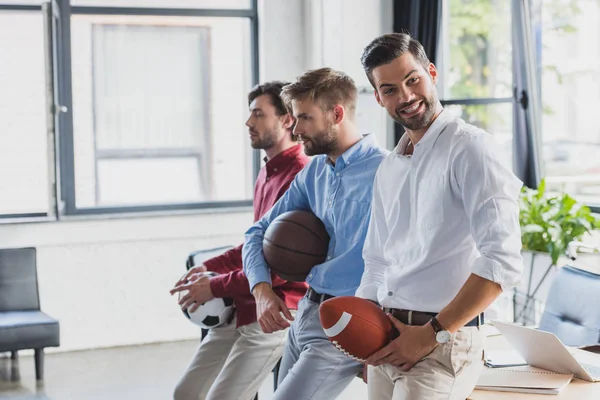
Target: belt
[317,297]
[421,318]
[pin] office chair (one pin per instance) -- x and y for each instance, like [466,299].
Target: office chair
[572,311]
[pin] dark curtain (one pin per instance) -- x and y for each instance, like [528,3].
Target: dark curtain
[527,105]
[422,19]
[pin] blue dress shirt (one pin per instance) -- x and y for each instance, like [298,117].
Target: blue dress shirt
[340,196]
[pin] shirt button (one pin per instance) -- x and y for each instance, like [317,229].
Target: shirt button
[337,174]
[310,276]
[390,293]
[267,179]
[275,169]
[329,257]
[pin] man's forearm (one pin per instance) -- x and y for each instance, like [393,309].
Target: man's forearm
[473,298]
[260,288]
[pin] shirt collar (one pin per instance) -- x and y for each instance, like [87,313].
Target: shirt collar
[282,159]
[436,128]
[355,152]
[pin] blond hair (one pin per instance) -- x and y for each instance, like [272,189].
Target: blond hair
[326,87]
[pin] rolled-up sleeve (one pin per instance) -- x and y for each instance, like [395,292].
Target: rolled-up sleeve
[375,264]
[254,264]
[490,192]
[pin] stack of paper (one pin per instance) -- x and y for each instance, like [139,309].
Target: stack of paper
[525,379]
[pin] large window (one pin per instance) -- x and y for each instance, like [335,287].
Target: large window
[568,46]
[147,99]
[476,66]
[159,109]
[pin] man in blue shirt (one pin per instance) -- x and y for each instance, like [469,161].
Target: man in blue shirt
[337,187]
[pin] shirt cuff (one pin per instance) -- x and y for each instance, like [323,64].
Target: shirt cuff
[217,286]
[494,271]
[259,275]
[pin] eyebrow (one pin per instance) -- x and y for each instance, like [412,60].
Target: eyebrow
[256,109]
[407,75]
[391,84]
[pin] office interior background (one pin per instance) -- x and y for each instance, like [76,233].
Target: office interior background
[123,148]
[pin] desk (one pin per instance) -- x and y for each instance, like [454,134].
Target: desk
[577,389]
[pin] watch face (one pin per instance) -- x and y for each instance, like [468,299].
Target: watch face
[442,337]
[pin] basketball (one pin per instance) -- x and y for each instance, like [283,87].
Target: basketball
[294,243]
[356,326]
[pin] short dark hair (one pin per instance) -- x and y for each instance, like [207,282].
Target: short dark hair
[326,87]
[386,48]
[273,90]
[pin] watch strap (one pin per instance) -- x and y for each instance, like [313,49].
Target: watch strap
[437,327]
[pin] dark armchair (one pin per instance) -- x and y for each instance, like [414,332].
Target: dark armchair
[22,324]
[572,311]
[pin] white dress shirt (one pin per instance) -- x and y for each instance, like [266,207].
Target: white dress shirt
[448,210]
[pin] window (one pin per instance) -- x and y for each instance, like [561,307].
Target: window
[568,45]
[25,178]
[475,66]
[159,106]
[111,106]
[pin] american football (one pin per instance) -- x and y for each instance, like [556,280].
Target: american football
[356,326]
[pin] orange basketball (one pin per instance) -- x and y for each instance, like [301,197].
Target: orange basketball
[294,243]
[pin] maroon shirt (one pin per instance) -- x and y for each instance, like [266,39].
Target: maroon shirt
[272,182]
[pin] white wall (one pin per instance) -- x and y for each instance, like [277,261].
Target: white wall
[107,280]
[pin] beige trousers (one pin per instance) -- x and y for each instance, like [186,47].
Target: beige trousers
[449,372]
[231,364]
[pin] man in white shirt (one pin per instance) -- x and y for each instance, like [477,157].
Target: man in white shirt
[444,239]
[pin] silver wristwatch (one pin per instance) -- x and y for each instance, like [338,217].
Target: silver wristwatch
[441,335]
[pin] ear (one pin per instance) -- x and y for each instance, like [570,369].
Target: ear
[288,121]
[338,114]
[433,72]
[377,97]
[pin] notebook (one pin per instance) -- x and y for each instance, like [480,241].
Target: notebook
[524,379]
[503,358]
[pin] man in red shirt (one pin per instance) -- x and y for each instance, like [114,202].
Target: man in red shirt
[233,360]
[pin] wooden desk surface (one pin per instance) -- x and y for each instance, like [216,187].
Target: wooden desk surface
[577,389]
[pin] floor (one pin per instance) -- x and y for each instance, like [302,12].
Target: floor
[141,372]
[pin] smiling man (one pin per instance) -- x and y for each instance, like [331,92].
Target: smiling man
[444,238]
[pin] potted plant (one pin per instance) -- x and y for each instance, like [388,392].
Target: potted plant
[549,222]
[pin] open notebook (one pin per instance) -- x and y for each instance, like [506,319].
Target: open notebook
[525,379]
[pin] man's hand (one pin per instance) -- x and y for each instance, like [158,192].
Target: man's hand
[269,308]
[199,292]
[194,270]
[413,344]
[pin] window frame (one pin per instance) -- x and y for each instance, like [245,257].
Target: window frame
[67,206]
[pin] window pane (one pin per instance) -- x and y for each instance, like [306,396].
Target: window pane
[217,4]
[569,44]
[24,180]
[148,181]
[476,58]
[496,119]
[147,89]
